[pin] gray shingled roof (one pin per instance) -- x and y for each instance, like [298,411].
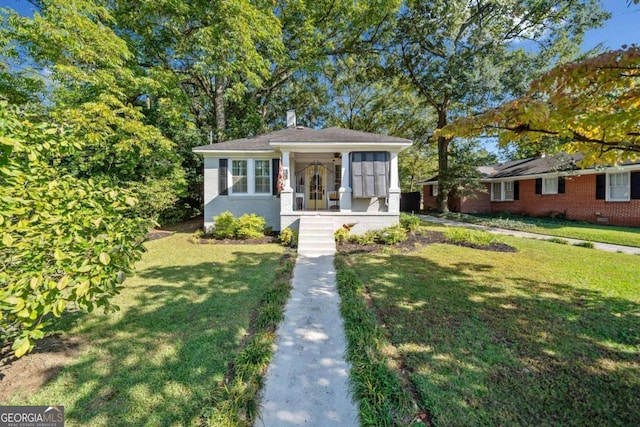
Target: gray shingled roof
[533,166]
[300,134]
[560,162]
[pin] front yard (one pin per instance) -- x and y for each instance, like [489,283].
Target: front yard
[549,335]
[162,360]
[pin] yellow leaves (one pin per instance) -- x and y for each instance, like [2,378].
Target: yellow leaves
[21,346]
[62,283]
[105,259]
[82,288]
[7,239]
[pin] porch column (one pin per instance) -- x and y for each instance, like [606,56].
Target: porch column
[286,195]
[394,187]
[345,188]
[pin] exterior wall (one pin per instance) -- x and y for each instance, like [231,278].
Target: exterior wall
[363,221]
[267,206]
[368,205]
[578,203]
[479,203]
[428,202]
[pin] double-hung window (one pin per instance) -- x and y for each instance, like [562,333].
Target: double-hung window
[502,191]
[239,178]
[618,188]
[251,176]
[550,185]
[262,177]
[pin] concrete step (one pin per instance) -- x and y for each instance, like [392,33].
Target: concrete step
[315,237]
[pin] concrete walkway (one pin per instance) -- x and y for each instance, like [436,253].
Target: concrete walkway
[307,382]
[600,246]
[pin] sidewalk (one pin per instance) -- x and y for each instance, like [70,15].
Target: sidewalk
[607,247]
[307,379]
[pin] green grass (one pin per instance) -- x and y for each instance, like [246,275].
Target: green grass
[627,236]
[549,335]
[164,358]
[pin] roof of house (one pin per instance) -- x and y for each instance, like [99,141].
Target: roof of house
[300,134]
[532,166]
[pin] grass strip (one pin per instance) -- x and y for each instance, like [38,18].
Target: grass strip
[379,389]
[616,235]
[237,402]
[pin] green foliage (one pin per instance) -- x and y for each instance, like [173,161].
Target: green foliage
[341,235]
[64,240]
[288,237]
[391,235]
[224,226]
[589,245]
[387,236]
[366,238]
[383,401]
[466,235]
[558,240]
[409,222]
[250,226]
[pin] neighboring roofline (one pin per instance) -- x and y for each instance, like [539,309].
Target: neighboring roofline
[573,172]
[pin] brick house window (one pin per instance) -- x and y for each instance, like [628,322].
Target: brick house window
[550,185]
[262,177]
[502,191]
[618,187]
[250,176]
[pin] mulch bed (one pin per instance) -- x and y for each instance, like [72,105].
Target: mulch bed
[416,241]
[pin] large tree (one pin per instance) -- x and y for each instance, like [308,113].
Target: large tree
[89,81]
[463,56]
[591,107]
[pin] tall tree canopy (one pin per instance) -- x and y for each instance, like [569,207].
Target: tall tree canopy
[464,56]
[591,107]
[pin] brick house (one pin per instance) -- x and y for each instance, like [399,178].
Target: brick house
[553,186]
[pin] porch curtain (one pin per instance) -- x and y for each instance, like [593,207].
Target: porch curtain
[370,174]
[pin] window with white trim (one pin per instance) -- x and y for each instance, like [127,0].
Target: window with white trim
[262,176]
[239,177]
[550,185]
[618,187]
[435,190]
[250,176]
[502,191]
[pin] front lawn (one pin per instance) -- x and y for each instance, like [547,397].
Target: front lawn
[627,236]
[549,335]
[163,358]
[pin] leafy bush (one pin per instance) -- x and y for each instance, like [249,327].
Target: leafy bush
[588,245]
[288,237]
[250,226]
[409,222]
[558,240]
[224,226]
[66,241]
[391,235]
[475,237]
[341,235]
[365,238]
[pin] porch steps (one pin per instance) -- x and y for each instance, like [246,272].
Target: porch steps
[315,236]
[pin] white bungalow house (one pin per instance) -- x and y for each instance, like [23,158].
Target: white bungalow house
[347,175]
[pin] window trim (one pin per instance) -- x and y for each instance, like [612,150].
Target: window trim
[502,197]
[608,197]
[251,177]
[544,185]
[434,192]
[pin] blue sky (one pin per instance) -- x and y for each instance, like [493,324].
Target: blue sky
[622,28]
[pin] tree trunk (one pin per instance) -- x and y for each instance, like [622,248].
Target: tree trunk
[442,200]
[219,107]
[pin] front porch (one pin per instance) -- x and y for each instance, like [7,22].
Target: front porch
[315,183]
